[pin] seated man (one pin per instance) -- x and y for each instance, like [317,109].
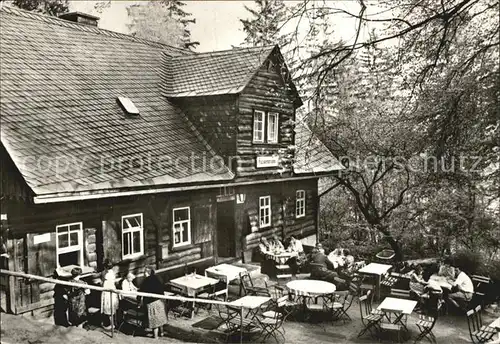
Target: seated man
[319,266]
[276,244]
[446,270]
[463,289]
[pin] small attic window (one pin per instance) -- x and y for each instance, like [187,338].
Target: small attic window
[271,66]
[128,106]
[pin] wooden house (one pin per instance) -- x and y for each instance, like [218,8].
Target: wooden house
[118,148]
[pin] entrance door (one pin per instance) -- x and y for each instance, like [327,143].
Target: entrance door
[225,229]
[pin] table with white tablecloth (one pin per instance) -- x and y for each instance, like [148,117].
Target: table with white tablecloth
[280,257]
[311,288]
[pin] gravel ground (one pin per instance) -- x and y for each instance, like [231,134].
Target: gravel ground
[26,329]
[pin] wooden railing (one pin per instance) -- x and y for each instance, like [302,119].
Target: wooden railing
[14,274]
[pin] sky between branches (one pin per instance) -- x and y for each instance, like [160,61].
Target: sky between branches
[217,22]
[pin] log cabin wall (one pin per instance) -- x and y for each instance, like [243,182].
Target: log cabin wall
[284,222]
[265,92]
[12,184]
[215,119]
[32,241]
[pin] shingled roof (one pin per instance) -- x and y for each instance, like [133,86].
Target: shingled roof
[67,134]
[61,123]
[219,72]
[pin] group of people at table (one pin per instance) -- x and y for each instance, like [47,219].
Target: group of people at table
[321,266]
[71,304]
[455,285]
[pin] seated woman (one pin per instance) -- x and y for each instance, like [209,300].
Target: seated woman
[320,248]
[263,249]
[128,284]
[417,282]
[295,245]
[336,258]
[264,245]
[296,262]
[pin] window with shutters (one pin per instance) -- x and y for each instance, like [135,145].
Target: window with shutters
[300,203]
[132,236]
[264,211]
[69,244]
[181,226]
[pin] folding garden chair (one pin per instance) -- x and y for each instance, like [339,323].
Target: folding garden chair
[425,325]
[135,317]
[273,326]
[342,303]
[400,293]
[369,319]
[480,281]
[354,289]
[478,332]
[321,306]
[246,285]
[283,304]
[481,289]
[217,291]
[230,317]
[391,280]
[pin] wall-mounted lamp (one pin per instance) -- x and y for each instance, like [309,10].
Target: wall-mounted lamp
[240,198]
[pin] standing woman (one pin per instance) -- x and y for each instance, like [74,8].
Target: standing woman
[156,312]
[60,304]
[77,309]
[109,301]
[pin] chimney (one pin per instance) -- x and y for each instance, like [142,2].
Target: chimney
[81,18]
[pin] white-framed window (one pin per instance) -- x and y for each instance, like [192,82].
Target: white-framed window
[181,226]
[264,211]
[132,236]
[258,126]
[69,244]
[272,127]
[300,203]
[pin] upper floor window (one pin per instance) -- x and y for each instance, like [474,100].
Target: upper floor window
[258,126]
[265,127]
[264,211]
[132,236]
[300,203]
[69,244]
[272,127]
[181,226]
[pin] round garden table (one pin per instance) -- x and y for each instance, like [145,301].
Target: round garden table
[311,287]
